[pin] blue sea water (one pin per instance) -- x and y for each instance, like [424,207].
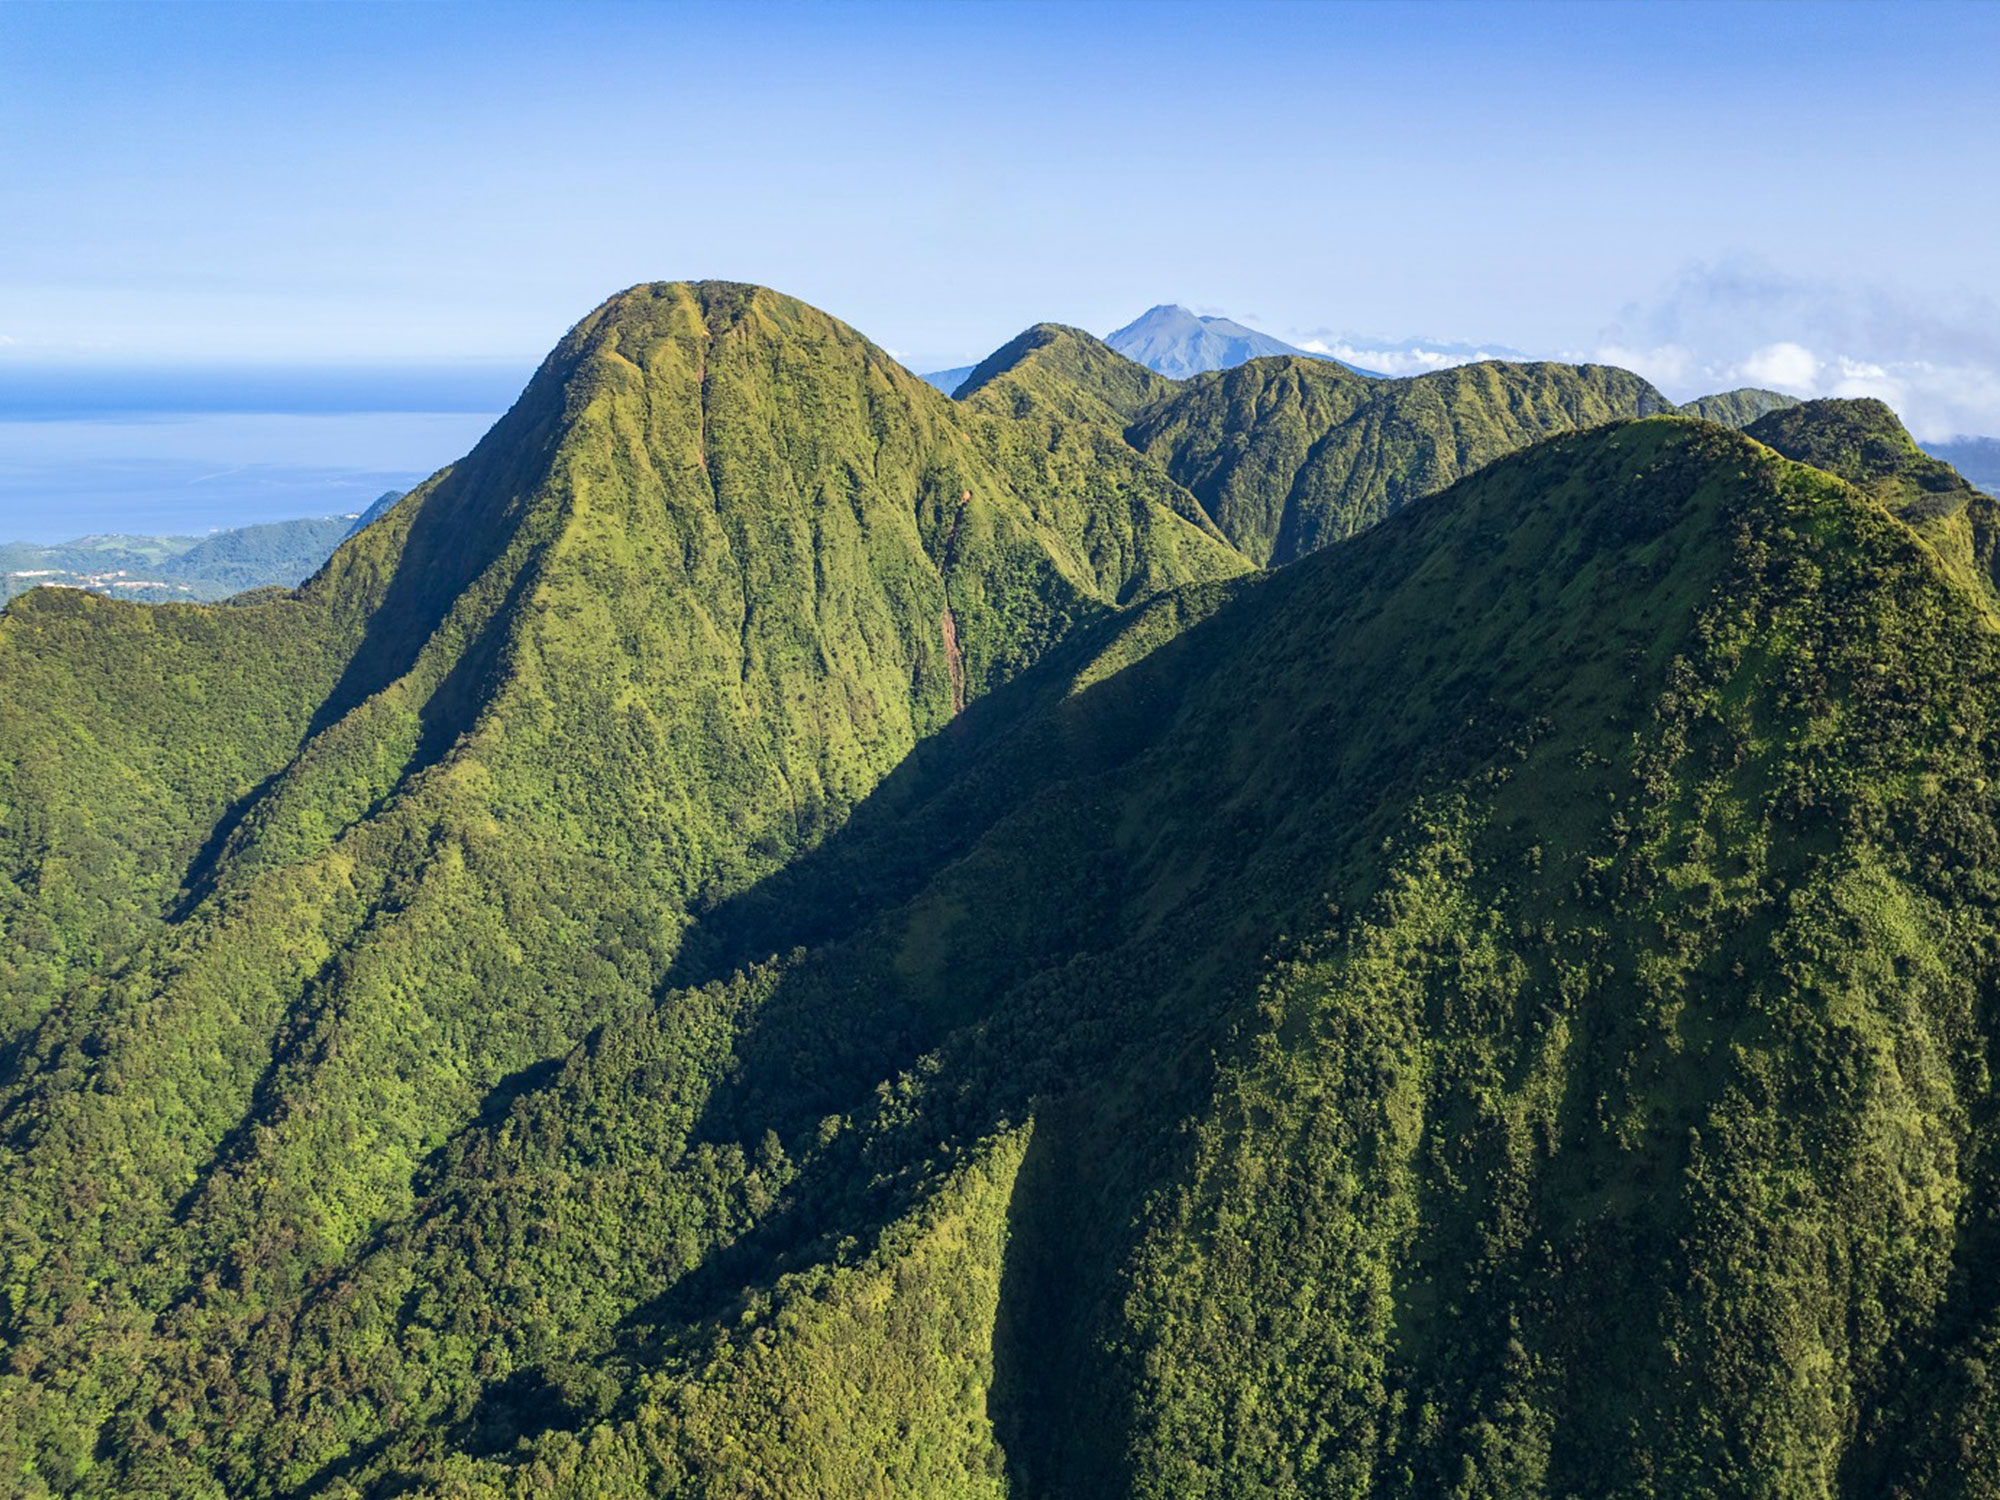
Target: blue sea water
[191,473]
[87,451]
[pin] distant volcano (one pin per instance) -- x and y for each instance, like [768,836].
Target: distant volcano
[1178,343]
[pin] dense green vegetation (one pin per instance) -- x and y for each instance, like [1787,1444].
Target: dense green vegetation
[1289,455]
[1977,458]
[1066,372]
[1863,442]
[713,576]
[177,569]
[770,933]
[1737,408]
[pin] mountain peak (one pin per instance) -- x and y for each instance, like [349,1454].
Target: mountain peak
[1177,343]
[1066,372]
[654,310]
[1864,442]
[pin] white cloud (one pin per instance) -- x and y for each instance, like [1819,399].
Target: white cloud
[1669,366]
[1739,321]
[1935,359]
[1783,366]
[1936,400]
[1399,357]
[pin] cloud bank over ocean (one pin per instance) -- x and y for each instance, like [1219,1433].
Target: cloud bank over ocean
[1741,321]
[1934,357]
[1414,356]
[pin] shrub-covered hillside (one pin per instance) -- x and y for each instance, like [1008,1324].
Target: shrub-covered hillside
[771,934]
[295,885]
[1289,455]
[1737,408]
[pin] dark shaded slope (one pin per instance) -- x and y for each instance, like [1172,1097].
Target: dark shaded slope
[1504,1006]
[1288,455]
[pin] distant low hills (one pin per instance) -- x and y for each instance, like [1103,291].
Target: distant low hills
[189,569]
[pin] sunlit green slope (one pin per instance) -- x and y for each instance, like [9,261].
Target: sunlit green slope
[293,886]
[1737,408]
[1063,372]
[1288,455]
[1864,443]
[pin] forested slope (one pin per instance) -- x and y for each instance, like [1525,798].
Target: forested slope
[1737,408]
[1864,443]
[1289,455]
[789,937]
[1398,1067]
[295,903]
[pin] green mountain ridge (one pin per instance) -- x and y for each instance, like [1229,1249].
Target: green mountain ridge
[772,933]
[1737,408]
[1863,442]
[1066,372]
[1286,454]
[1291,455]
[1977,458]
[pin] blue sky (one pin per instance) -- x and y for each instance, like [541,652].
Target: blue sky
[1707,192]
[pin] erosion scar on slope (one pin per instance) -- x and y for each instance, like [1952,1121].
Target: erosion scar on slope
[954,662]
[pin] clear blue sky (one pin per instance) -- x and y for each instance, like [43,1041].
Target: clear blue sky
[1707,184]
